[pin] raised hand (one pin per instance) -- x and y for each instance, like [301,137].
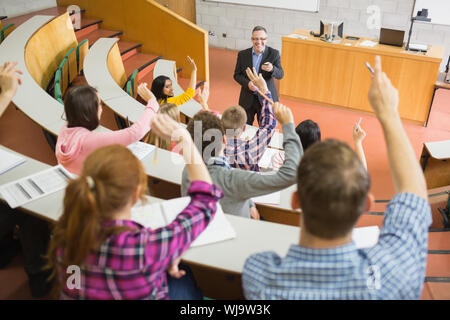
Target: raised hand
[256,79]
[203,96]
[358,134]
[192,63]
[282,113]
[9,78]
[145,92]
[383,96]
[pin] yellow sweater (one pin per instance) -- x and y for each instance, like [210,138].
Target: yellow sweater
[182,98]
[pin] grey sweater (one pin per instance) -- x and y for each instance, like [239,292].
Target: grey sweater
[239,186]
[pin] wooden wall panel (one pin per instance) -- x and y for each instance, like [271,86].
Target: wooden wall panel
[115,66]
[413,79]
[335,74]
[161,31]
[43,54]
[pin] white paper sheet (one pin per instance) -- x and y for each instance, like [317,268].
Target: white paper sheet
[9,160]
[368,43]
[266,159]
[163,213]
[36,186]
[141,149]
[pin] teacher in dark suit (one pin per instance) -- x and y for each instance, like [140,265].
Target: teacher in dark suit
[266,61]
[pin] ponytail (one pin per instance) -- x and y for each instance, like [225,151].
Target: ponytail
[110,178]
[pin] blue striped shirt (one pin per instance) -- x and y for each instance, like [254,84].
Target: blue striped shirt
[392,269]
[256,59]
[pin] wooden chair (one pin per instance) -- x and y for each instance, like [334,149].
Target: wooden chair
[131,86]
[81,52]
[57,87]
[5,31]
[64,69]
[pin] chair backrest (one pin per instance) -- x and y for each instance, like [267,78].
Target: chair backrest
[64,69]
[5,31]
[82,50]
[72,65]
[132,84]
[57,87]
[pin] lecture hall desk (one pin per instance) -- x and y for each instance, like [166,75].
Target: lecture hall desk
[334,74]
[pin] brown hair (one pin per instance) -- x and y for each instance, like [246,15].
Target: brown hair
[172,111]
[211,126]
[116,174]
[81,107]
[332,185]
[234,118]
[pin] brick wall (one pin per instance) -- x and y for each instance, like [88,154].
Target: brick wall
[237,21]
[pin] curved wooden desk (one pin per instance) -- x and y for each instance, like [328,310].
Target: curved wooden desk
[30,97]
[169,165]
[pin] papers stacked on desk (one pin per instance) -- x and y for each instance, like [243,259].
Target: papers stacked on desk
[141,149]
[368,43]
[9,161]
[35,186]
[297,36]
[161,214]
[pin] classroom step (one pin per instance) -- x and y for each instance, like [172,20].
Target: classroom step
[142,61]
[127,49]
[97,34]
[87,25]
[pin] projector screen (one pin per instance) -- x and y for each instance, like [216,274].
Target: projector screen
[438,10]
[303,5]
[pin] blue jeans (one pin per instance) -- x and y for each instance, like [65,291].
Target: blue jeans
[184,288]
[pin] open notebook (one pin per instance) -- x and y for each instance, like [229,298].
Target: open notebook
[9,160]
[161,214]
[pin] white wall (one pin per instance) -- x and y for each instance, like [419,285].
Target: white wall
[12,8]
[237,21]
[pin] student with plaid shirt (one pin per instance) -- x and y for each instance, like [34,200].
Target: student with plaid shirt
[333,191]
[119,258]
[245,154]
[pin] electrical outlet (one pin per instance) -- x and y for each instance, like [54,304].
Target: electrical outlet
[211,33]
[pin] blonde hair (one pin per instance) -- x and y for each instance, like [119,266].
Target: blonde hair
[110,178]
[172,111]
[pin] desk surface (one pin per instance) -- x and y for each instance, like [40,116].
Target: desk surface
[439,149]
[434,53]
[30,97]
[251,237]
[50,207]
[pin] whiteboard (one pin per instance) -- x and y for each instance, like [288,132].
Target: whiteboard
[303,5]
[438,10]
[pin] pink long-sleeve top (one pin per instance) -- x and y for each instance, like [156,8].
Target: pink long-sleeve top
[75,144]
